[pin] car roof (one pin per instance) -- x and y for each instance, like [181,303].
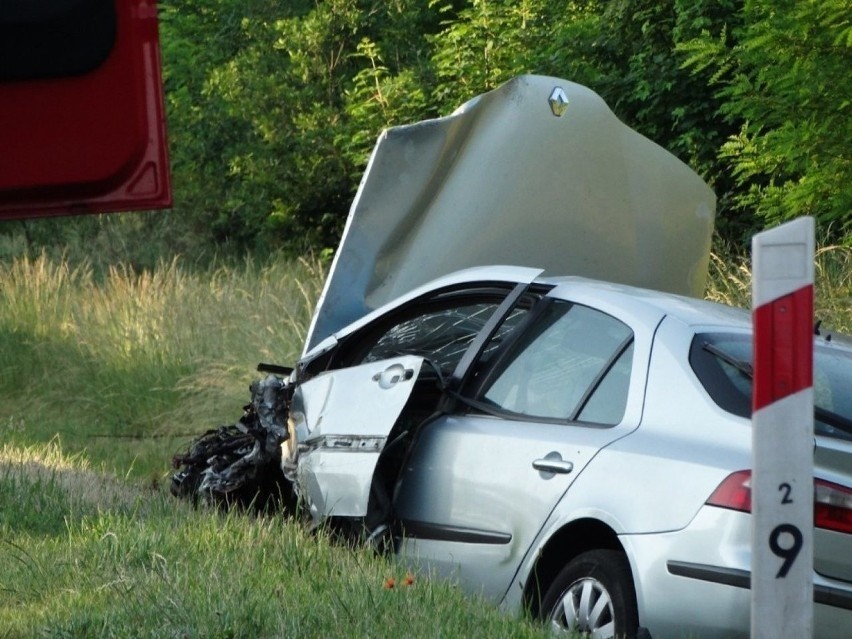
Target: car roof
[690,311]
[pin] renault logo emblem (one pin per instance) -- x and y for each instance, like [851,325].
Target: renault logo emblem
[558,102]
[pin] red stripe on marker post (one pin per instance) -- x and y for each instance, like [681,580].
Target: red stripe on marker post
[782,432]
[783,347]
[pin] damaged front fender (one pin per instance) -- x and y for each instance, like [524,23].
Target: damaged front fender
[323,444]
[341,422]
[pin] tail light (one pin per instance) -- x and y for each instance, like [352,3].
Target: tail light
[734,492]
[832,502]
[832,507]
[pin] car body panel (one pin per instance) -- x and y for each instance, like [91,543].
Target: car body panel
[82,116]
[709,562]
[341,421]
[650,489]
[503,180]
[473,475]
[474,472]
[472,508]
[833,550]
[832,557]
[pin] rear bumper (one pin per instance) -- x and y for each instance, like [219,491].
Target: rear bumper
[696,581]
[823,594]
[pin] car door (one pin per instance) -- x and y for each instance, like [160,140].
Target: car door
[342,419]
[480,482]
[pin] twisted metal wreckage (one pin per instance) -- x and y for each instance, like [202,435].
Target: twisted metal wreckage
[240,464]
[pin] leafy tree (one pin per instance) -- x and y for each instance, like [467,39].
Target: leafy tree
[639,74]
[487,42]
[296,105]
[782,75]
[273,106]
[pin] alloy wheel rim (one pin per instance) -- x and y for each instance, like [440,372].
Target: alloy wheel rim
[585,607]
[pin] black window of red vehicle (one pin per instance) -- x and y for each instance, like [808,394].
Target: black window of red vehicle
[54,38]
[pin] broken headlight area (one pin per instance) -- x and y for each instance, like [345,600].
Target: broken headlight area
[240,464]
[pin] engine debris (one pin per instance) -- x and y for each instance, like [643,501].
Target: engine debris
[240,464]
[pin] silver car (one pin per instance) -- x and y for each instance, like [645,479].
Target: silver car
[577,448]
[574,447]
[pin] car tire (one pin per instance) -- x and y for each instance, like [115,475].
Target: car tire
[593,596]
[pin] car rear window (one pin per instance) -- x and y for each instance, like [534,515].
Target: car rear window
[722,362]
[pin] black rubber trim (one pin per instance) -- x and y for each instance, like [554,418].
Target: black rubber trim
[274,368]
[473,351]
[441,532]
[742,579]
[704,572]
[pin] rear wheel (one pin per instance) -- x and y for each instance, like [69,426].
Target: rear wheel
[593,596]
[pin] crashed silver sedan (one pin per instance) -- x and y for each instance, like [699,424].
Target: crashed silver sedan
[576,447]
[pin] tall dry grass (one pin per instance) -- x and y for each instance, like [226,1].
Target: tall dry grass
[114,364]
[730,282]
[122,369]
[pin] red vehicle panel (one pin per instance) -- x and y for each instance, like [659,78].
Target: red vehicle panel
[82,124]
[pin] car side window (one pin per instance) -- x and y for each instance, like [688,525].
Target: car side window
[573,363]
[607,402]
[441,335]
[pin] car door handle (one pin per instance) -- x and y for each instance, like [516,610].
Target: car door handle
[551,465]
[392,375]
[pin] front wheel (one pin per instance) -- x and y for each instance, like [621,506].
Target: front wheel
[593,596]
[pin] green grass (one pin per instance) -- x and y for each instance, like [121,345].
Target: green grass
[83,554]
[102,379]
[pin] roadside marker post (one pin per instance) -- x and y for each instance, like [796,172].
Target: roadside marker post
[782,432]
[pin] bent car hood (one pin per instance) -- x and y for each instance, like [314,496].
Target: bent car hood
[505,180]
